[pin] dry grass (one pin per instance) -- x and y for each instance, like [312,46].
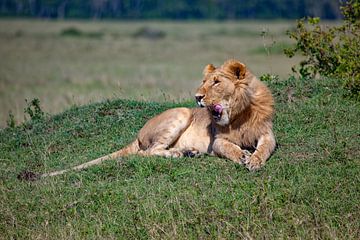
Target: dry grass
[38,62]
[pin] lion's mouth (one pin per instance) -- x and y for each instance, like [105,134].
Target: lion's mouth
[216,111]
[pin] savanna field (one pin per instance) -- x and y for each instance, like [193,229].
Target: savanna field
[99,82]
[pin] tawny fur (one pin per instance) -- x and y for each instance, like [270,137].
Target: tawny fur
[245,122]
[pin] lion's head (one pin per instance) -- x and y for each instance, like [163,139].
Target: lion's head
[225,91]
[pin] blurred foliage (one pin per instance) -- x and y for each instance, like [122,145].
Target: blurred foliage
[11,122]
[171,9]
[34,110]
[75,32]
[267,77]
[149,33]
[330,51]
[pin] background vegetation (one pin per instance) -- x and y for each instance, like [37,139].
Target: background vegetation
[171,9]
[331,51]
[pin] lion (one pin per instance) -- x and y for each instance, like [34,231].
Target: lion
[234,121]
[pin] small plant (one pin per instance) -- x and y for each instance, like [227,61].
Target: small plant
[11,123]
[267,77]
[267,47]
[33,109]
[330,51]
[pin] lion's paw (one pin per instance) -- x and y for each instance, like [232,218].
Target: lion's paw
[173,153]
[191,153]
[254,164]
[245,159]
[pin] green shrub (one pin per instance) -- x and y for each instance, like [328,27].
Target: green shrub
[330,51]
[75,32]
[33,109]
[11,122]
[71,31]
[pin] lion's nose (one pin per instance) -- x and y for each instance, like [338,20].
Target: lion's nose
[199,97]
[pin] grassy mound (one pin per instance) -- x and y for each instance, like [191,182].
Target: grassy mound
[309,188]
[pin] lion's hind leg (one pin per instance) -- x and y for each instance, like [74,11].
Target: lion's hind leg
[159,134]
[161,150]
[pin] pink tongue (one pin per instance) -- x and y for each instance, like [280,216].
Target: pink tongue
[218,108]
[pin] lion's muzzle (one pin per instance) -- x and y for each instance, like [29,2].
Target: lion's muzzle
[199,99]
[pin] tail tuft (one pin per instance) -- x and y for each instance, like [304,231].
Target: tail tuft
[27,175]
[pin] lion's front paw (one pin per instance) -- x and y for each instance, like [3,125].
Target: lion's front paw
[174,153]
[191,153]
[245,159]
[254,163]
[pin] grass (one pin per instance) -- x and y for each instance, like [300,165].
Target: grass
[309,189]
[65,63]
[270,48]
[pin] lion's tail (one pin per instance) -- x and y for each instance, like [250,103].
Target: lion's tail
[132,148]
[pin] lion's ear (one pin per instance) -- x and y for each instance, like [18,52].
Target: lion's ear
[209,69]
[235,68]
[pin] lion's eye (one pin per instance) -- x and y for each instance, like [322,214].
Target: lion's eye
[216,82]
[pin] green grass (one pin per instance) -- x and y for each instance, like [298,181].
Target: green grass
[309,189]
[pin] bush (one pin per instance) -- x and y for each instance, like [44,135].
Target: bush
[149,33]
[33,109]
[74,32]
[71,31]
[330,51]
